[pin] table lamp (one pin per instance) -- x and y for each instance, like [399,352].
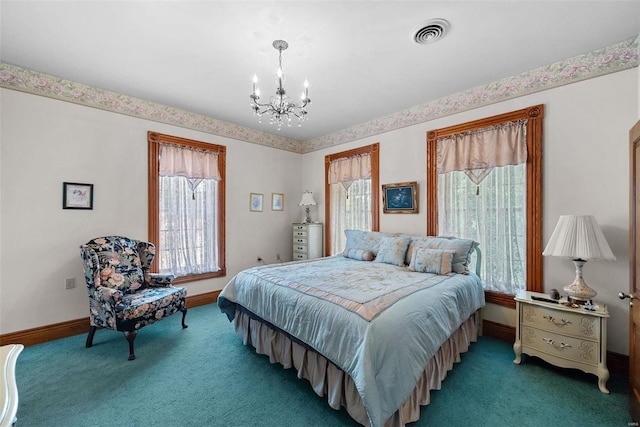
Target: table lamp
[307,200]
[578,238]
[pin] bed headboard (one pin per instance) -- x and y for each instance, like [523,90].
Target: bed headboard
[478,260]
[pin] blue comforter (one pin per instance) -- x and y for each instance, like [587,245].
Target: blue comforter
[378,322]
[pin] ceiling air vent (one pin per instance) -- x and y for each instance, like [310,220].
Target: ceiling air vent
[431,31]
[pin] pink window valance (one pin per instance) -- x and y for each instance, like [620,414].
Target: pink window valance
[188,162]
[348,169]
[476,153]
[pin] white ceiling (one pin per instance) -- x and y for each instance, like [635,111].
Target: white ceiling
[359,56]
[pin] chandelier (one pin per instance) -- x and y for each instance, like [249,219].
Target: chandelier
[280,108]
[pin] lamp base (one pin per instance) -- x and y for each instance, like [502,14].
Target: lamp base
[578,292]
[307,218]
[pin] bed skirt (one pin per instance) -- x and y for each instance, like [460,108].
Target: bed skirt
[329,380]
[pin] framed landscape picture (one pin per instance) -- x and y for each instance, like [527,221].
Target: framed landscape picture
[400,198]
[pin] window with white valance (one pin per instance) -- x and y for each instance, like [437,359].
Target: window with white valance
[484,183]
[352,181]
[493,158]
[188,218]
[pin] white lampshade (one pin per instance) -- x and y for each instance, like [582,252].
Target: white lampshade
[307,199]
[580,239]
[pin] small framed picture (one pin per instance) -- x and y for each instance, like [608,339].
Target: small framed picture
[77,196]
[400,198]
[255,202]
[277,201]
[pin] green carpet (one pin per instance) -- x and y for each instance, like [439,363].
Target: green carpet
[205,376]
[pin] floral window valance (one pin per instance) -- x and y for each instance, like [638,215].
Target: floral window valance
[476,153]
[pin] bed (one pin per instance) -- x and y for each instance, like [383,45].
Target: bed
[374,329]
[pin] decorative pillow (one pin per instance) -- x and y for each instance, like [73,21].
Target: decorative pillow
[436,261]
[365,240]
[392,250]
[415,242]
[358,254]
[463,249]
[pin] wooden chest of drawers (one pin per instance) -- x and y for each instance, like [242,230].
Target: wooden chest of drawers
[563,336]
[307,241]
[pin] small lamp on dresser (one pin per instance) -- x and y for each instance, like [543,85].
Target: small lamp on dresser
[307,200]
[578,238]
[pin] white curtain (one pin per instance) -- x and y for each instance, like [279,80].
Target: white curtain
[350,209]
[490,205]
[350,187]
[188,216]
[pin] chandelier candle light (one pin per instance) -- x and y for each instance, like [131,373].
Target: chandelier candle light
[580,239]
[280,108]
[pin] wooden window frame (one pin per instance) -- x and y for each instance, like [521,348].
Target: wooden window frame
[154,139]
[534,116]
[374,151]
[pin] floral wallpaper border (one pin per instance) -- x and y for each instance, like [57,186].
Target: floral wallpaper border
[611,59]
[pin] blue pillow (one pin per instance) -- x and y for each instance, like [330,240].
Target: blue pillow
[392,250]
[358,254]
[436,261]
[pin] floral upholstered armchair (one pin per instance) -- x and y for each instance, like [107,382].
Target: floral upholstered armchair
[123,294]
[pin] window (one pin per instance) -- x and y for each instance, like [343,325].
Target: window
[497,204]
[351,183]
[186,207]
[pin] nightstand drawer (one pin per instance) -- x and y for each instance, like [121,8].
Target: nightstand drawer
[562,322]
[299,256]
[300,228]
[298,233]
[299,248]
[575,349]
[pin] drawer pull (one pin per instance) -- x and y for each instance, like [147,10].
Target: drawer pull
[556,322]
[555,345]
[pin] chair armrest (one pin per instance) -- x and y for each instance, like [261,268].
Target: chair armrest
[158,280]
[110,296]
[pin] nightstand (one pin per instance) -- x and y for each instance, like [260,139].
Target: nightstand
[563,336]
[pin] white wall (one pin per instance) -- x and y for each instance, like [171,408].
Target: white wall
[44,142]
[585,171]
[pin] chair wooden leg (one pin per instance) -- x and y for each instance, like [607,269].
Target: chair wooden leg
[92,331]
[184,314]
[131,336]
